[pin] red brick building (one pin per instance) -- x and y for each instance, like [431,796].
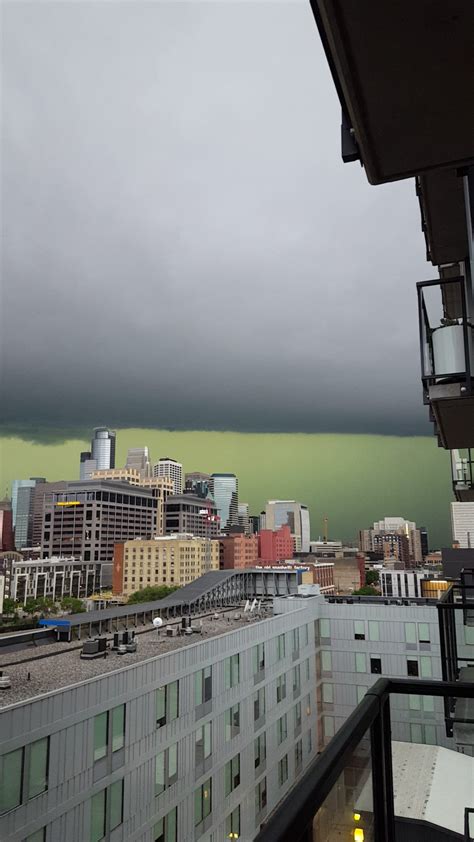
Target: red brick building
[275,546]
[6,526]
[238,550]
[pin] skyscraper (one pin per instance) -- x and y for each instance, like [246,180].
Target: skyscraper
[462,521]
[87,465]
[103,448]
[139,458]
[293,514]
[166,467]
[22,509]
[389,527]
[244,518]
[6,526]
[197,483]
[225,490]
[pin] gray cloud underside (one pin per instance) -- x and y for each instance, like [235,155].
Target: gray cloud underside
[182,245]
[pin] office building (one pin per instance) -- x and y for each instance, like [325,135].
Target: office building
[411,583]
[103,448]
[23,492]
[225,491]
[191,515]
[6,526]
[394,537]
[167,467]
[87,465]
[293,514]
[349,573]
[320,573]
[275,545]
[173,560]
[86,520]
[331,549]
[139,459]
[53,578]
[243,518]
[238,550]
[462,524]
[197,483]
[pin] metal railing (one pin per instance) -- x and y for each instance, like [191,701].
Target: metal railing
[462,471]
[294,818]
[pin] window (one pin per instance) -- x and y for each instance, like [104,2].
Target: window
[281,688]
[359,629]
[310,741]
[415,733]
[258,658]
[328,694]
[424,632]
[232,824]
[167,703]
[260,750]
[425,703]
[232,722]
[296,680]
[259,704]
[412,666]
[308,704]
[261,796]
[307,666]
[38,836]
[423,734]
[202,802]
[166,828]
[360,662]
[24,774]
[305,634]
[469,635]
[376,664]
[106,811]
[283,770]
[299,754]
[203,743]
[295,640]
[361,691]
[282,729]
[326,661]
[280,647]
[203,686]
[297,715]
[328,725]
[109,732]
[231,671]
[232,774]
[324,628]
[425,665]
[166,768]
[374,632]
[410,632]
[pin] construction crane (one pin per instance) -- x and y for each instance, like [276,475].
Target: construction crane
[325,528]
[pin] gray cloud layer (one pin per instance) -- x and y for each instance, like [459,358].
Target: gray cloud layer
[182,245]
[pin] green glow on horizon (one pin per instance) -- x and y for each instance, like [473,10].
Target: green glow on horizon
[353,479]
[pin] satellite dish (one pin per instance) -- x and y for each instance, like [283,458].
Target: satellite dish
[157,622]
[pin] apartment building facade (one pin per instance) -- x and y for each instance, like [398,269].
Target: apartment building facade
[53,578]
[238,550]
[173,560]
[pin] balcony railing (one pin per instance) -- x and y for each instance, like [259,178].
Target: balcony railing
[347,792]
[462,469]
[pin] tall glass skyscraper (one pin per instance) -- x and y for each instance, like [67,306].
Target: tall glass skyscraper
[225,490]
[22,509]
[293,514]
[103,448]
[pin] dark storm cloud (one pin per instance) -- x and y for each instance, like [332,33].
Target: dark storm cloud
[182,246]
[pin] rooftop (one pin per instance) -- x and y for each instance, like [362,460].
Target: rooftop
[44,669]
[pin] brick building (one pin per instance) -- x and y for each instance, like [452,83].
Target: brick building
[275,545]
[238,550]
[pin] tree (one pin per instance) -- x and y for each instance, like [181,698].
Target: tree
[9,607]
[31,607]
[72,604]
[367,590]
[372,577]
[150,594]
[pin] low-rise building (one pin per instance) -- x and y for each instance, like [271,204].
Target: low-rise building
[238,550]
[275,545]
[172,560]
[411,583]
[349,573]
[320,573]
[53,578]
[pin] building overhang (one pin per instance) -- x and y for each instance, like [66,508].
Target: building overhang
[401,72]
[443,214]
[453,415]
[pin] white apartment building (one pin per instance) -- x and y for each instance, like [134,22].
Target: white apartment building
[167,467]
[462,523]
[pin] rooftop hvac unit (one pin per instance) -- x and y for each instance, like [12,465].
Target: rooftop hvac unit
[5,681]
[90,648]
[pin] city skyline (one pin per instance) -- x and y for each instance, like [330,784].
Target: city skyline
[354,480]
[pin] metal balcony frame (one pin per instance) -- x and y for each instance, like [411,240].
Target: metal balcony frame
[292,819]
[469,478]
[456,598]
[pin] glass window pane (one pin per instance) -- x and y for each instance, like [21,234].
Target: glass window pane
[428,704]
[374,633]
[415,733]
[38,773]
[361,691]
[425,665]
[198,688]
[160,773]
[430,735]
[100,735]
[38,836]
[328,693]
[173,760]
[207,740]
[98,816]
[11,767]
[359,627]
[161,705]
[159,830]
[414,702]
[118,727]
[469,634]
[328,722]
[360,662]
[326,661]
[198,805]
[324,628]
[116,804]
[410,632]
[424,632]
[172,826]
[206,798]
[173,701]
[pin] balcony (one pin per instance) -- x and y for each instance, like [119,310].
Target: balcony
[462,469]
[365,788]
[447,359]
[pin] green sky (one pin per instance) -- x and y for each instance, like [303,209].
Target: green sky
[353,479]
